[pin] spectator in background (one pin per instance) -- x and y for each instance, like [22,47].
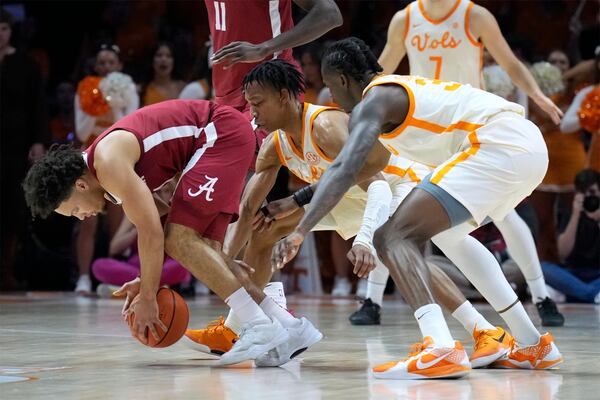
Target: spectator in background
[584,113]
[566,155]
[24,132]
[62,124]
[165,84]
[578,276]
[95,111]
[310,61]
[101,100]
[200,87]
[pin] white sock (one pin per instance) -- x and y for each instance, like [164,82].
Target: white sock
[233,322]
[273,310]
[538,289]
[470,318]
[273,290]
[520,325]
[477,264]
[521,247]
[432,323]
[245,308]
[376,283]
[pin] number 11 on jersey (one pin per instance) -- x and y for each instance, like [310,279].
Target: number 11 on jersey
[220,16]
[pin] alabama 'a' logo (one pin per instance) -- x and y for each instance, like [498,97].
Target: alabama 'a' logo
[208,187]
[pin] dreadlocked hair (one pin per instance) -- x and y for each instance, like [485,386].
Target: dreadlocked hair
[352,56]
[50,180]
[277,74]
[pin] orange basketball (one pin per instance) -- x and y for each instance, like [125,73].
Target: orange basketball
[173,312]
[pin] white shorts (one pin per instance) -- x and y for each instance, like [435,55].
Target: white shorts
[509,164]
[346,217]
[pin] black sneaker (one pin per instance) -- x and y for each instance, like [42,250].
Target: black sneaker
[549,313]
[369,314]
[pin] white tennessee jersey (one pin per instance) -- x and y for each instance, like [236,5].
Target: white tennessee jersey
[442,119]
[307,162]
[443,48]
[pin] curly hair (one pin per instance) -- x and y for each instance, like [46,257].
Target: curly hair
[50,180]
[352,56]
[277,74]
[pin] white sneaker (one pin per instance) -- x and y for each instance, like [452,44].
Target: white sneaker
[84,284]
[255,340]
[361,288]
[341,287]
[275,291]
[301,338]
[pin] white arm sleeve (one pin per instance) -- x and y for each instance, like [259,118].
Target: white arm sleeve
[570,122]
[377,212]
[84,123]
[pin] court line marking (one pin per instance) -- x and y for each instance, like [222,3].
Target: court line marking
[61,333]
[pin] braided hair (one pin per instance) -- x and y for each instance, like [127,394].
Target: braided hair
[277,74]
[352,56]
[50,180]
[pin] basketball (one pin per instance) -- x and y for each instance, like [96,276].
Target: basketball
[173,312]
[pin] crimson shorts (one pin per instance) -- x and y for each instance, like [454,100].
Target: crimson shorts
[207,197]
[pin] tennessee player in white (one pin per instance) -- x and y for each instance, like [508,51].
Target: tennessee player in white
[488,157]
[306,138]
[444,39]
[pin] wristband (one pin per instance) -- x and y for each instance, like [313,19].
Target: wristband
[303,196]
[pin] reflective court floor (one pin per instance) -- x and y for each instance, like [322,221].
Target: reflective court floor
[57,346]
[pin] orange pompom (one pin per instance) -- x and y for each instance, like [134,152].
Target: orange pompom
[91,98]
[589,114]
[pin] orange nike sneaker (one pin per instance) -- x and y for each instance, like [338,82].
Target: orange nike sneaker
[490,345]
[543,355]
[426,361]
[216,338]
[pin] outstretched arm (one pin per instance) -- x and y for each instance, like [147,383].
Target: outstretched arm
[369,119]
[323,15]
[256,191]
[394,50]
[484,25]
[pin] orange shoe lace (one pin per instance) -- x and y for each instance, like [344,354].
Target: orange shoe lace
[415,349]
[216,325]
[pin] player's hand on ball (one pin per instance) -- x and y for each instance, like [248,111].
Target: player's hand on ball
[146,318]
[236,52]
[363,260]
[285,250]
[131,289]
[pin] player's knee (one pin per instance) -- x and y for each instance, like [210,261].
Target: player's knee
[173,241]
[382,238]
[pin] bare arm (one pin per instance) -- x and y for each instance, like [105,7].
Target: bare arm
[394,50]
[566,240]
[123,238]
[368,120]
[323,15]
[261,183]
[115,160]
[484,25]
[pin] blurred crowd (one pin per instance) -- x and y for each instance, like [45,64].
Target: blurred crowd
[133,54]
